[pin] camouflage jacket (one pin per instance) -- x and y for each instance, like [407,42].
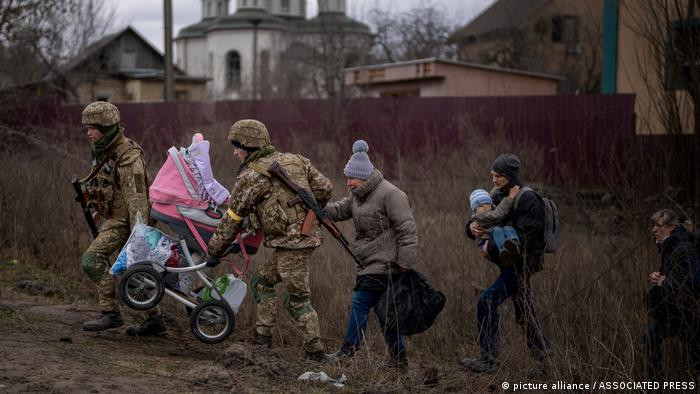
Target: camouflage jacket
[264,198]
[117,187]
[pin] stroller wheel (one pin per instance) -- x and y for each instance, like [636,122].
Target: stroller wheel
[141,287]
[212,321]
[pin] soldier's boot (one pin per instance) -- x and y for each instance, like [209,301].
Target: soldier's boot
[398,360]
[262,340]
[153,325]
[319,357]
[485,363]
[346,352]
[109,319]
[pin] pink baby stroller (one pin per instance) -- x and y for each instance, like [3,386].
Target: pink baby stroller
[187,198]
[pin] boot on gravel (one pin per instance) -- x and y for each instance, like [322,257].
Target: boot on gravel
[151,326]
[109,319]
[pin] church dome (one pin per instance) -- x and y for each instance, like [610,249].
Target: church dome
[196,30]
[247,18]
[333,21]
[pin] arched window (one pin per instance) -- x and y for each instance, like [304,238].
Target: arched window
[233,70]
[218,9]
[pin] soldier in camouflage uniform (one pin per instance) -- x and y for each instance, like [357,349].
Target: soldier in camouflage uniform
[117,190]
[264,198]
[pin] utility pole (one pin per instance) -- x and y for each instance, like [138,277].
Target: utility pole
[255,22]
[168,33]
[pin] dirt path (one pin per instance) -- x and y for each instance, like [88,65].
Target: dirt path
[43,349]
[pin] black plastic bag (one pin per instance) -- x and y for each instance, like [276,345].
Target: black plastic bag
[409,304]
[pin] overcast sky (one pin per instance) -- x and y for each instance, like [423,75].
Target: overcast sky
[147,15]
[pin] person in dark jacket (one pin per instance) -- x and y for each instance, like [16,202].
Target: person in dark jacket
[385,241]
[673,297]
[527,217]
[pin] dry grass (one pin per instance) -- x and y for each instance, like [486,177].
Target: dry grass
[594,322]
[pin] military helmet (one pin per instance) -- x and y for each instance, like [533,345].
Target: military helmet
[100,113]
[249,133]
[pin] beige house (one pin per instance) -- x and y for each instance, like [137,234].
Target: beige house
[561,37]
[648,57]
[124,67]
[434,77]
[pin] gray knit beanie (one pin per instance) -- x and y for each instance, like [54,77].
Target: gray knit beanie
[507,165]
[359,166]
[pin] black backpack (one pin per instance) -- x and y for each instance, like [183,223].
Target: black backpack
[552,227]
[409,305]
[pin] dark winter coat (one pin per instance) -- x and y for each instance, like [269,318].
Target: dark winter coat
[681,266]
[528,220]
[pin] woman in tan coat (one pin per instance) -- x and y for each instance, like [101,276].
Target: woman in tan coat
[385,241]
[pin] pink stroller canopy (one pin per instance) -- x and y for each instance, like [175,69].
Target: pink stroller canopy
[175,183]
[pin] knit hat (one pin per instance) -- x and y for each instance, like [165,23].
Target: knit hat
[479,197]
[507,165]
[359,166]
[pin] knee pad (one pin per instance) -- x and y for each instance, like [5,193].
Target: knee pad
[265,291]
[94,265]
[304,305]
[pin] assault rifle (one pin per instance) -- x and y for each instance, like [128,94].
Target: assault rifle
[80,197]
[314,210]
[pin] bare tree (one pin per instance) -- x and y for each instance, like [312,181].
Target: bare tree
[313,63]
[44,35]
[25,29]
[554,41]
[669,66]
[415,34]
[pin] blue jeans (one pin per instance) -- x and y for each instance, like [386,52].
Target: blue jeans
[501,234]
[362,302]
[509,284]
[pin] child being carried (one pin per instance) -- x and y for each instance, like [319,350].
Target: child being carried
[505,247]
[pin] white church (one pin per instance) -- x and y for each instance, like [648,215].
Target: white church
[268,48]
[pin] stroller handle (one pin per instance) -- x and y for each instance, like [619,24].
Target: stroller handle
[186,269]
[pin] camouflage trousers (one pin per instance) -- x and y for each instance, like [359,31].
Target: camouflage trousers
[290,266]
[96,265]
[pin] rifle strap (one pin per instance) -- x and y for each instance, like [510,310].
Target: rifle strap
[95,171]
[121,150]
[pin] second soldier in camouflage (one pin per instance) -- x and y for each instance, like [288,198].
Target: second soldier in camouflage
[255,193]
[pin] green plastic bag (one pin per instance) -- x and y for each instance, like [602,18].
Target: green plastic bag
[233,290]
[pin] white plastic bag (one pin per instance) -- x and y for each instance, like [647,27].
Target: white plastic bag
[144,243]
[324,378]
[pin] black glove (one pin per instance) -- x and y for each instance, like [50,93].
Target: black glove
[212,261]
